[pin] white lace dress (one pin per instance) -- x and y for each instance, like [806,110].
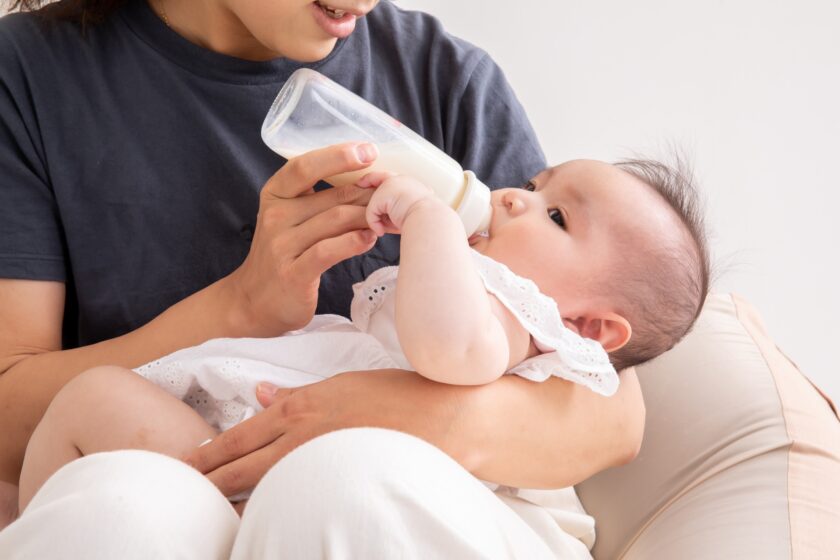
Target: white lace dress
[219,378]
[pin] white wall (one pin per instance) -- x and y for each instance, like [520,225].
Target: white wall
[752,90]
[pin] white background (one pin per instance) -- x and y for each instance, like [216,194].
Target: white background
[751,90]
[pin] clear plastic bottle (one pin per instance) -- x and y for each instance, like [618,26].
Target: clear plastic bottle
[312,111]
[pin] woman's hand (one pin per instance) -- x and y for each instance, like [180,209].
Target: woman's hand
[299,235]
[566,432]
[238,458]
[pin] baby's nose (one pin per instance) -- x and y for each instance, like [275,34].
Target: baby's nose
[513,200]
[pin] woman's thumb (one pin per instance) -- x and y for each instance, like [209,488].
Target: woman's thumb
[266,393]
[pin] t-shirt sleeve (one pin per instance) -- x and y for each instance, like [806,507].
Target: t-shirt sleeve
[30,227]
[493,136]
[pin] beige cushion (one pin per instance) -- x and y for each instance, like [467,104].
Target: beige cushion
[741,457]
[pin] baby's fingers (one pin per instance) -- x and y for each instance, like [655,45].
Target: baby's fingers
[376,215]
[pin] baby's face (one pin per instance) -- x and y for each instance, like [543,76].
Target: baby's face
[571,226]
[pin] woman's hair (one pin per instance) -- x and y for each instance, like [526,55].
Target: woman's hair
[84,12]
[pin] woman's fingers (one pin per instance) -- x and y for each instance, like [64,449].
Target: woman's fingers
[241,440]
[333,222]
[327,253]
[303,208]
[238,458]
[244,473]
[275,293]
[302,172]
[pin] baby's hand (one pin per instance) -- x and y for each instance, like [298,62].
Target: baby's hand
[396,196]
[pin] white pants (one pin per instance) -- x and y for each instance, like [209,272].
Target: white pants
[359,493]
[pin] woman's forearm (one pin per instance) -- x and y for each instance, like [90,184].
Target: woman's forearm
[512,431]
[547,435]
[31,378]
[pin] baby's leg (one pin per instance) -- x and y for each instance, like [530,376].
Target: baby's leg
[105,409]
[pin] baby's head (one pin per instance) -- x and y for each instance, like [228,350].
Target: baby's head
[620,248]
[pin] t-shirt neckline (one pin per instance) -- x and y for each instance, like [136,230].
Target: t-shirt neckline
[146,24]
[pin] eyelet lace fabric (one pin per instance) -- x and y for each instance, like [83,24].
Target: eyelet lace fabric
[370,294]
[566,354]
[218,378]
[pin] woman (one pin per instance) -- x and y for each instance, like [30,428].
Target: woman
[140,213]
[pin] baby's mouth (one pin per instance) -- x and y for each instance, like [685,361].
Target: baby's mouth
[473,239]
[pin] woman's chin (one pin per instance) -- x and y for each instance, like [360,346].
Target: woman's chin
[310,51]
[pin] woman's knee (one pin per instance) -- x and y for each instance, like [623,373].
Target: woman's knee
[348,469]
[359,452]
[139,497]
[407,498]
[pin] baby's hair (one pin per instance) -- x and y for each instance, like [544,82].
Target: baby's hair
[665,289]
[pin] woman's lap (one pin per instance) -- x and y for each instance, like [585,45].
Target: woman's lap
[362,492]
[123,504]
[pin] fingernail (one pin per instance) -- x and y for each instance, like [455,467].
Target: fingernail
[368,236]
[366,152]
[266,389]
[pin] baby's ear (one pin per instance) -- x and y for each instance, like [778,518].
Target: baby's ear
[611,330]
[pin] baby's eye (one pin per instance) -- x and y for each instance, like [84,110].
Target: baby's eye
[530,186]
[557,216]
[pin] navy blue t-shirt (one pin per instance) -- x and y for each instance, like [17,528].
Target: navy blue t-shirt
[131,160]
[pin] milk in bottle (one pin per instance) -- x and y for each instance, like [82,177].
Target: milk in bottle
[312,111]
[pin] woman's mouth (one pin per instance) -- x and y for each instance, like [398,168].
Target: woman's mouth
[334,13]
[336,22]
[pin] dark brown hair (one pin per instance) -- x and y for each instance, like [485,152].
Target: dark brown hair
[84,12]
[663,289]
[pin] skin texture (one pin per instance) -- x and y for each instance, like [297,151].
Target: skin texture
[452,316]
[601,208]
[566,230]
[601,205]
[275,290]
[300,234]
[256,29]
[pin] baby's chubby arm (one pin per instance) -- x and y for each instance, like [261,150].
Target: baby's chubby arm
[449,327]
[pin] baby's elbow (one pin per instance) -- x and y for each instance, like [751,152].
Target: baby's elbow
[460,369]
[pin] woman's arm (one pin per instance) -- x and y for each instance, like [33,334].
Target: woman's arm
[551,434]
[33,368]
[512,431]
[274,290]
[448,326]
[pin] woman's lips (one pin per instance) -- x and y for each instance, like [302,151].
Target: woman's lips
[335,27]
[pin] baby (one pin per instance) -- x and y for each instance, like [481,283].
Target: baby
[588,269]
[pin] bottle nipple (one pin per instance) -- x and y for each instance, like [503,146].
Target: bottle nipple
[474,208]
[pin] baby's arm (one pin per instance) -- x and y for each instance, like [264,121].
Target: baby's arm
[449,327]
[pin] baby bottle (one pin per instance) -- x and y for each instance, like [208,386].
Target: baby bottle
[312,111]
